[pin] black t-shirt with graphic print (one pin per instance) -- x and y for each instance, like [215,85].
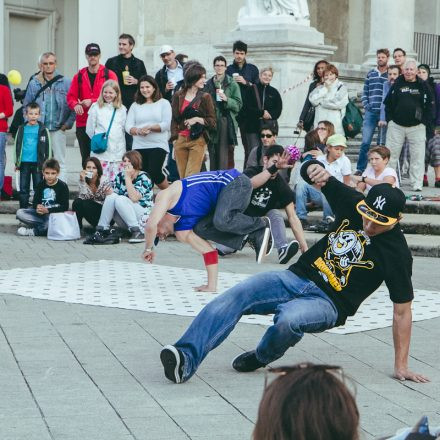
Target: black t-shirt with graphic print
[348,265]
[275,193]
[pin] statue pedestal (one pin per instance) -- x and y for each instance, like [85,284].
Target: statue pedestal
[292,52]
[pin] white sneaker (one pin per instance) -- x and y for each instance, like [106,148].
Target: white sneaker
[26,232]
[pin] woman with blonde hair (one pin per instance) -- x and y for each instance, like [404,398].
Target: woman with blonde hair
[109,110]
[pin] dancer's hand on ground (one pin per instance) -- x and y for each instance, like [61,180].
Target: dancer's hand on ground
[405,374]
[205,288]
[148,256]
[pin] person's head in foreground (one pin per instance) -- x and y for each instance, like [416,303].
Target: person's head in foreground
[307,402]
[382,209]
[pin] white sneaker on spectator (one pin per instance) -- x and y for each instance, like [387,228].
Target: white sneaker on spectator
[26,232]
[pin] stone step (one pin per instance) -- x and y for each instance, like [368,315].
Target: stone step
[420,245]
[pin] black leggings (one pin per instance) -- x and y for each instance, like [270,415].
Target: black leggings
[84,144]
[153,162]
[88,209]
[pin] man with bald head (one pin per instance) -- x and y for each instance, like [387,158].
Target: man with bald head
[408,108]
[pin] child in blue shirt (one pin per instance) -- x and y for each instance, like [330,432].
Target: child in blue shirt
[32,148]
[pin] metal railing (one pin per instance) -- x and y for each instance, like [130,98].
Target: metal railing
[427,47]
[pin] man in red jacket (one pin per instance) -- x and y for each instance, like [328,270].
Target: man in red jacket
[84,91]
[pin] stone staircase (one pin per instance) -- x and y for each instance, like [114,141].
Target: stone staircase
[421,222]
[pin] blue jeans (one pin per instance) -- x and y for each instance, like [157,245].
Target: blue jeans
[369,126]
[30,218]
[2,158]
[28,169]
[305,192]
[298,304]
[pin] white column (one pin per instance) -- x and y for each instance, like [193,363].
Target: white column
[2,37]
[98,22]
[391,27]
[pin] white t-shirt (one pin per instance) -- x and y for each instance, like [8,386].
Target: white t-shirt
[339,168]
[370,173]
[140,115]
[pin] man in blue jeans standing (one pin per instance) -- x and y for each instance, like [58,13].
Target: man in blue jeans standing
[325,286]
[372,100]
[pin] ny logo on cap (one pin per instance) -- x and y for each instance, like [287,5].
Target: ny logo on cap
[379,202]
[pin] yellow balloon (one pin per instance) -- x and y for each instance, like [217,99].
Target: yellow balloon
[14,77]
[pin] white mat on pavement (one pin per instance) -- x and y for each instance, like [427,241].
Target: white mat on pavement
[169,290]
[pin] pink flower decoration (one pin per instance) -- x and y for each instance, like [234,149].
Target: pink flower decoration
[294,153]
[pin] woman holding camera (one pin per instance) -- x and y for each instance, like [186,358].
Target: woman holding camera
[193,115]
[93,189]
[129,204]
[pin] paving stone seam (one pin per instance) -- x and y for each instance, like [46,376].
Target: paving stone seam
[90,377]
[40,410]
[132,374]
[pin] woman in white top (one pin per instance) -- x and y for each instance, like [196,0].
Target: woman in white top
[377,170]
[100,115]
[330,99]
[148,121]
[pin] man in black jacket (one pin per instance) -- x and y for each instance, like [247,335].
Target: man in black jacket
[128,69]
[245,74]
[408,108]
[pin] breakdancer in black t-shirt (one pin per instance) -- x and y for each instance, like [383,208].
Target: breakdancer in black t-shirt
[318,292]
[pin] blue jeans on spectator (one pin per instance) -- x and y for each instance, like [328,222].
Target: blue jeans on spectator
[369,126]
[2,158]
[28,170]
[33,220]
[305,192]
[299,305]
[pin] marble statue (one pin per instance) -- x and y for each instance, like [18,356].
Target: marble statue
[259,8]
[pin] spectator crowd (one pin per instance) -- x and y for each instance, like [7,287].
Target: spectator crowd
[136,131]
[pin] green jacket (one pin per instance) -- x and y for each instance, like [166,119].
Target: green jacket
[233,104]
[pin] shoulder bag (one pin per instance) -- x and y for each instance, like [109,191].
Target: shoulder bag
[98,143]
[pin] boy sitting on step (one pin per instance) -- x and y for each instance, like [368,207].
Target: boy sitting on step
[51,195]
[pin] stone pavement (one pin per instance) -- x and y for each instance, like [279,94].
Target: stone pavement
[71,371]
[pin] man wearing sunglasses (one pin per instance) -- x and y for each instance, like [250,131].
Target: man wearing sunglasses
[325,286]
[268,137]
[48,89]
